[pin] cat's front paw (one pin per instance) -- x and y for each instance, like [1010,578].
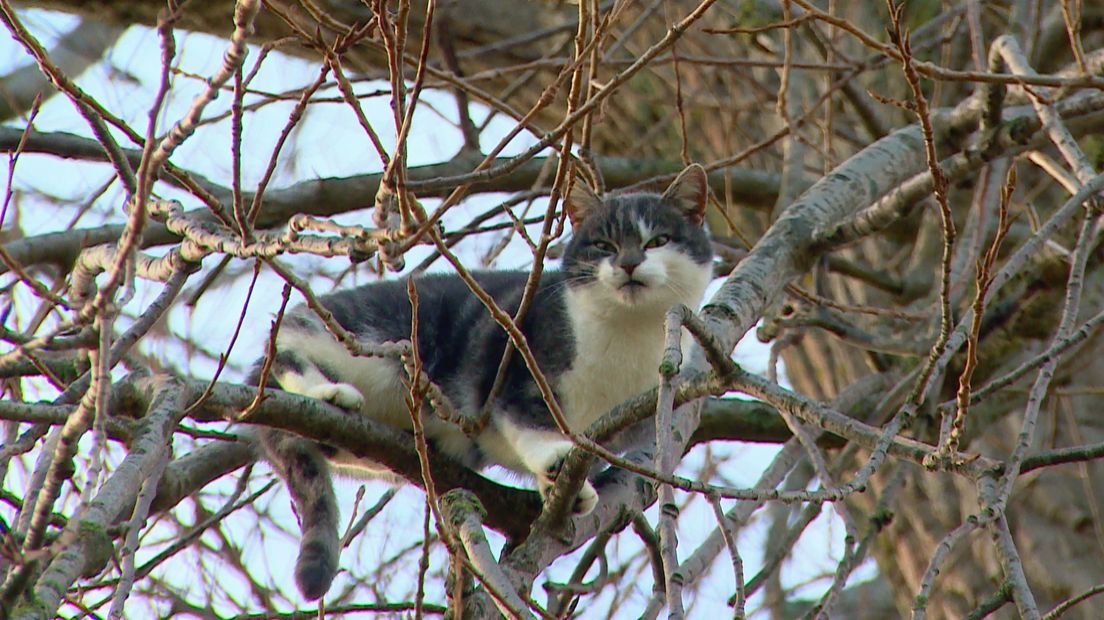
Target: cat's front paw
[340,394]
[584,502]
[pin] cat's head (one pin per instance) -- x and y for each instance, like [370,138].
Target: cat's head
[640,251]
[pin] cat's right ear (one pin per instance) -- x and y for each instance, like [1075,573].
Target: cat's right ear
[581,202]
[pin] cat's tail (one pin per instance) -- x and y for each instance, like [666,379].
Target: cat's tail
[301,464]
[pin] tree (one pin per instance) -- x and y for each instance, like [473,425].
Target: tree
[906,204]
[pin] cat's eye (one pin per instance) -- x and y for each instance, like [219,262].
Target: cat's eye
[657,241]
[605,246]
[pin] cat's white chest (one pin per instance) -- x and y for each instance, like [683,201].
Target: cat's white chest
[615,359]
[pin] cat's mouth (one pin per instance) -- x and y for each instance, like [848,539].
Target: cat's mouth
[632,291]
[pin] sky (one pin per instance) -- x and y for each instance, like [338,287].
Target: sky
[328,143]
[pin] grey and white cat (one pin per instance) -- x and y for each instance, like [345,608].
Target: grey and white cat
[595,328]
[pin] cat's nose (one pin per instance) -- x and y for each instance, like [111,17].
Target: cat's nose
[629,261]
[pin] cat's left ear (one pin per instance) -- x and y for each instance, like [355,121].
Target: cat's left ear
[689,192]
[581,202]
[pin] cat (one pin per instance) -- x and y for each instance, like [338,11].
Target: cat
[595,328]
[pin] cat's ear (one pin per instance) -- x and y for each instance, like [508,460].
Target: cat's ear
[581,202]
[689,192]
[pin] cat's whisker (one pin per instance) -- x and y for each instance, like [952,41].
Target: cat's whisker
[678,289]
